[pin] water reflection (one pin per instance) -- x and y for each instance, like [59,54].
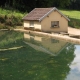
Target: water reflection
[74,73]
[28,63]
[48,45]
[56,68]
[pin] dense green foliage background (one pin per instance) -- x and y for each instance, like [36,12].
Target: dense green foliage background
[28,5]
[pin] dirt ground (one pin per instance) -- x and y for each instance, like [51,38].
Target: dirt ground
[73,31]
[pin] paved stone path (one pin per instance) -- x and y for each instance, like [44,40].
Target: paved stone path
[73,31]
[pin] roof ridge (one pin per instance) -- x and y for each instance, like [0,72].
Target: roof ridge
[38,14]
[54,8]
[46,14]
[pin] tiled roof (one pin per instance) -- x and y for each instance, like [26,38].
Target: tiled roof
[40,13]
[37,13]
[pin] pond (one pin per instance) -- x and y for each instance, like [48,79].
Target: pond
[29,57]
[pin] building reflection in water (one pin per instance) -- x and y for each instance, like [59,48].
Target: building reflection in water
[45,44]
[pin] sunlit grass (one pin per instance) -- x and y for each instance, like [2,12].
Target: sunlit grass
[71,13]
[11,12]
[74,16]
[10,18]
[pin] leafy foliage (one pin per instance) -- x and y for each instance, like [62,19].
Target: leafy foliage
[9,18]
[28,5]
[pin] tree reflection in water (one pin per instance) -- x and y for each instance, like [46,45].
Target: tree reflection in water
[28,63]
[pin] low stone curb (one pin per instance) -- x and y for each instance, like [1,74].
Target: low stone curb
[56,36]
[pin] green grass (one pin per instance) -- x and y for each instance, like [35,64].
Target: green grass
[71,13]
[10,18]
[74,16]
[11,12]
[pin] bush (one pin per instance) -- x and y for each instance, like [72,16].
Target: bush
[10,18]
[5,17]
[13,21]
[75,23]
[8,22]
[17,21]
[2,20]
[2,26]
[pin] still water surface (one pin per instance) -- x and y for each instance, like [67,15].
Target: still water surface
[29,57]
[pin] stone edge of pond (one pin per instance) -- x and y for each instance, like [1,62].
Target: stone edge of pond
[4,29]
[56,36]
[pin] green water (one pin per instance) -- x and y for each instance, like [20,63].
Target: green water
[29,57]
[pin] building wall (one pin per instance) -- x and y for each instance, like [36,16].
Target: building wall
[54,16]
[37,24]
[26,24]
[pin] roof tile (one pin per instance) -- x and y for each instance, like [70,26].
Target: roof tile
[37,13]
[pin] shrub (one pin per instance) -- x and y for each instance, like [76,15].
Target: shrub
[17,21]
[2,26]
[2,20]
[8,22]
[13,21]
[5,17]
[75,23]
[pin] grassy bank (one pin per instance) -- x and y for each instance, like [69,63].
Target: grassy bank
[10,18]
[74,16]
